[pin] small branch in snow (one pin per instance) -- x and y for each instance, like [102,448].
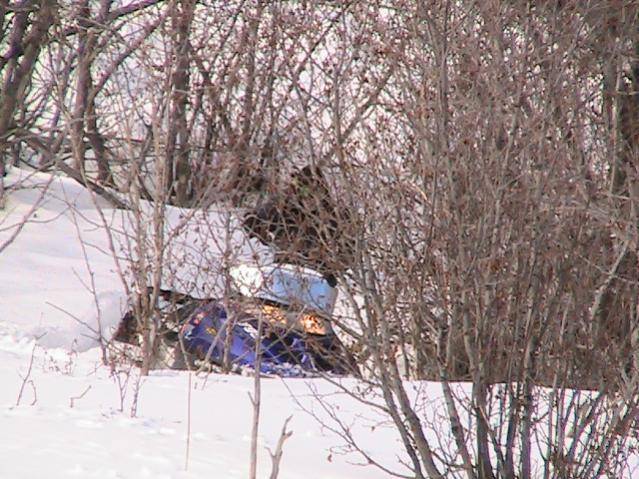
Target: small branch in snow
[188,427]
[256,399]
[136,396]
[26,379]
[75,398]
[276,456]
[121,379]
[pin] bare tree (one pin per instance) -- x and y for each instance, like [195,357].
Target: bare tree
[29,24]
[490,245]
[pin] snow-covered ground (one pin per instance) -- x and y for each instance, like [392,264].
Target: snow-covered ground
[64,414]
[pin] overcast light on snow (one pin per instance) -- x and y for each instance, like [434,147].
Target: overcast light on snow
[76,419]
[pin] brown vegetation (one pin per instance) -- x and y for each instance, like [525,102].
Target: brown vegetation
[487,152]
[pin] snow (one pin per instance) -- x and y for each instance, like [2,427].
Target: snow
[64,414]
[97,437]
[98,322]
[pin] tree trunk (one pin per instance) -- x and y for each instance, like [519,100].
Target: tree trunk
[24,48]
[178,179]
[84,114]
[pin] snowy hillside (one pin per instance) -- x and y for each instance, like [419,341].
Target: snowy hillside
[63,414]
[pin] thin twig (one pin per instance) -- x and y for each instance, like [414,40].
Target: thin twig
[75,398]
[276,456]
[26,379]
[188,426]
